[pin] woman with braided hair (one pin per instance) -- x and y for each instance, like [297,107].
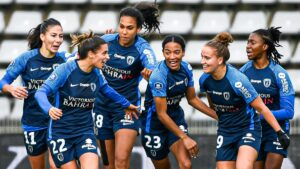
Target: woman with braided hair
[237,105]
[131,58]
[273,84]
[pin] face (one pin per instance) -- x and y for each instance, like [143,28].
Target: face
[210,61]
[173,54]
[127,30]
[255,47]
[52,38]
[100,56]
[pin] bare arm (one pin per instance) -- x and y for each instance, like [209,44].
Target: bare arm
[161,108]
[198,104]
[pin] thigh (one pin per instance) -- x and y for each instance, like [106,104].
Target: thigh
[37,162]
[155,145]
[162,164]
[69,165]
[124,140]
[35,142]
[247,155]
[89,161]
[226,165]
[273,161]
[107,149]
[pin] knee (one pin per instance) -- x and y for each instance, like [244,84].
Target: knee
[121,162]
[185,164]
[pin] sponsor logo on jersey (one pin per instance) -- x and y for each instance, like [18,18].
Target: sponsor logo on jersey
[284,82]
[78,102]
[53,76]
[130,60]
[88,144]
[34,84]
[117,73]
[241,88]
[158,85]
[179,83]
[226,95]
[33,69]
[149,56]
[46,68]
[267,83]
[73,85]
[92,85]
[255,81]
[174,100]
[119,56]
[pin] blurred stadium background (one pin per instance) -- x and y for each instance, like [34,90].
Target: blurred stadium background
[196,20]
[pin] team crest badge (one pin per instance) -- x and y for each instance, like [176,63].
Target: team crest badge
[158,85]
[93,86]
[60,157]
[130,60]
[267,83]
[226,95]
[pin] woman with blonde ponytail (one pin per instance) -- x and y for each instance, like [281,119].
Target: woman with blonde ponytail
[75,84]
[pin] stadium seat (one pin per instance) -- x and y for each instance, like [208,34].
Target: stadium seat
[289,1]
[107,1]
[285,50]
[32,2]
[5,107]
[183,1]
[17,111]
[70,20]
[296,57]
[247,21]
[288,20]
[193,51]
[65,46]
[157,48]
[17,82]
[258,1]
[6,1]
[297,109]
[70,1]
[212,22]
[21,22]
[99,21]
[188,109]
[176,22]
[10,49]
[294,76]
[198,116]
[220,1]
[137,1]
[196,75]
[238,53]
[2,24]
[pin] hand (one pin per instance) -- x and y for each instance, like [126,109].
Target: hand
[109,31]
[132,110]
[19,92]
[55,113]
[191,146]
[146,73]
[283,138]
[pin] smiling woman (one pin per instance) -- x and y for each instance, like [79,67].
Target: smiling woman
[35,66]
[76,84]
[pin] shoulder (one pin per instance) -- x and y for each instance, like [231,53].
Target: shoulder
[246,66]
[160,71]
[109,37]
[142,45]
